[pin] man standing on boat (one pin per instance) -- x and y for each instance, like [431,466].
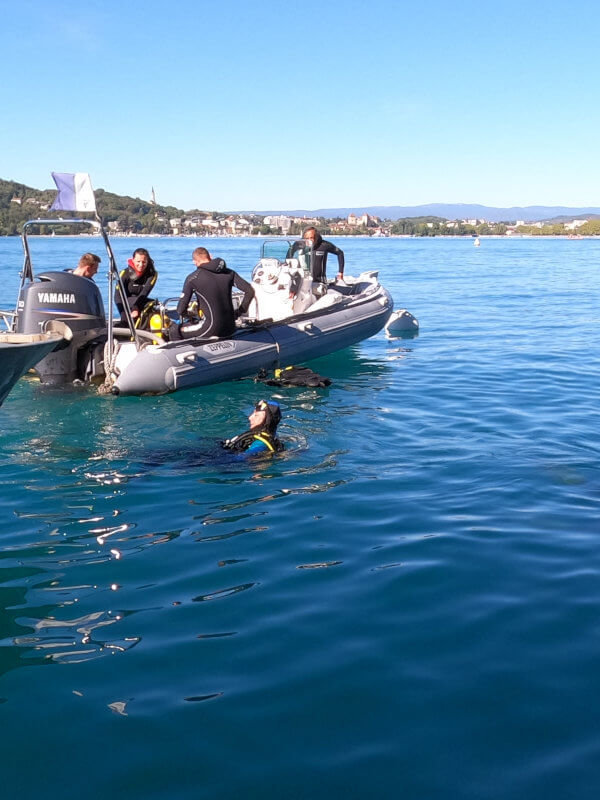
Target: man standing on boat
[210,286]
[321,249]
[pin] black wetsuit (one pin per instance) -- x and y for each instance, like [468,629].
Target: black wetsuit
[137,289]
[320,253]
[254,443]
[321,250]
[211,285]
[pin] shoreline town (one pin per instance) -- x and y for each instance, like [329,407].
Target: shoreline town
[127,216]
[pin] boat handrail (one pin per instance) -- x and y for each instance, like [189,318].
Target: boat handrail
[113,272]
[64,221]
[153,338]
[5,315]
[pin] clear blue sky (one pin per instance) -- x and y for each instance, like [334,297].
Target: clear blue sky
[233,105]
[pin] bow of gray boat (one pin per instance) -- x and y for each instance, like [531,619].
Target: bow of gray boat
[19,352]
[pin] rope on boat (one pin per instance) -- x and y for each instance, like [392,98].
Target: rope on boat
[109,364]
[109,367]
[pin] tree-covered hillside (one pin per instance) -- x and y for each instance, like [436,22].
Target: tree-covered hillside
[135,215]
[19,203]
[130,215]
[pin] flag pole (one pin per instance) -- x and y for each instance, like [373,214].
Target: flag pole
[113,274]
[75,193]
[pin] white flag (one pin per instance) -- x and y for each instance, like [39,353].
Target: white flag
[75,192]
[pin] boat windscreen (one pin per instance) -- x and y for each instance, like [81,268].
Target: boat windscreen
[276,248]
[283,249]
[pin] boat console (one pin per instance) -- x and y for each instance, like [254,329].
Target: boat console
[282,280]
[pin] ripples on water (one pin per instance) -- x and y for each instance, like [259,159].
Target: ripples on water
[404,602]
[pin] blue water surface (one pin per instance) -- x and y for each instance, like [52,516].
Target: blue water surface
[405,603]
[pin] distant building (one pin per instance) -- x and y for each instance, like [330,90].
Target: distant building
[306,222]
[364,221]
[576,223]
[237,225]
[281,222]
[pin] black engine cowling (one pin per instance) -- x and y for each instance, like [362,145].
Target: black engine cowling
[73,305]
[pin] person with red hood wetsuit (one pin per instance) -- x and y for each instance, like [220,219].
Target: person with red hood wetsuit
[210,286]
[138,281]
[321,249]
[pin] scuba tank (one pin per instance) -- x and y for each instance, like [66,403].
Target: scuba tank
[159,322]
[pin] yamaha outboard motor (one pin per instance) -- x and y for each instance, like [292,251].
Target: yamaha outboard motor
[71,305]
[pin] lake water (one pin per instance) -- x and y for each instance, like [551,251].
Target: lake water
[406,603]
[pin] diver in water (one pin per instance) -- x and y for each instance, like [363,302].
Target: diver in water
[261,437]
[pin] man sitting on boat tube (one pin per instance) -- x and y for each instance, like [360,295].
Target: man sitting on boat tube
[210,286]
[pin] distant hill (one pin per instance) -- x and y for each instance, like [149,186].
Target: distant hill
[560,220]
[446,210]
[19,203]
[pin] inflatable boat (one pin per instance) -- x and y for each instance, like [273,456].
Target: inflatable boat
[292,319]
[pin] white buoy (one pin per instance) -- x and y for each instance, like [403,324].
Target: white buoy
[401,321]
